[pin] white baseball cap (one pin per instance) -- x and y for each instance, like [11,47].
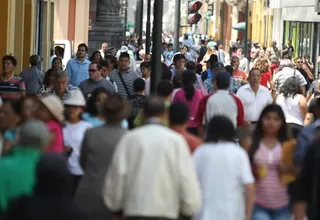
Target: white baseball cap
[75,98]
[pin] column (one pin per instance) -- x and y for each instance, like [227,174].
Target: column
[4,17]
[107,27]
[19,34]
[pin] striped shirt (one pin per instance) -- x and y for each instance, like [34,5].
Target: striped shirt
[128,77]
[11,89]
[270,192]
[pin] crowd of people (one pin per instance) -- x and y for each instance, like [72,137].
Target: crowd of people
[217,141]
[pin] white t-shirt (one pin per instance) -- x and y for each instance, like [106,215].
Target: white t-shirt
[291,108]
[73,135]
[223,170]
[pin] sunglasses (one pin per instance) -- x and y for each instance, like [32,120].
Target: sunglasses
[92,70]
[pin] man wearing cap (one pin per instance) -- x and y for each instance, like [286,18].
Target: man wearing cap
[32,76]
[125,49]
[18,169]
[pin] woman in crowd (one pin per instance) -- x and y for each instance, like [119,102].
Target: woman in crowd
[49,77]
[97,149]
[92,113]
[211,50]
[189,95]
[73,133]
[96,56]
[293,104]
[272,201]
[51,112]
[266,77]
[224,172]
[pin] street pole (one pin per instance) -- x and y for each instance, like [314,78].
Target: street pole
[125,20]
[148,27]
[222,22]
[177,25]
[137,20]
[156,67]
[141,18]
[246,30]
[40,29]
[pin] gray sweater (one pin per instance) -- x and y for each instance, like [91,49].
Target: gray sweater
[88,86]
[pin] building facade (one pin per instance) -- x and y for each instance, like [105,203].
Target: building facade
[62,20]
[297,21]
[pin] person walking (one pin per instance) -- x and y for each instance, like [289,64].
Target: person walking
[73,134]
[95,81]
[77,68]
[124,77]
[33,77]
[179,115]
[272,199]
[97,151]
[254,96]
[18,169]
[224,173]
[191,96]
[167,190]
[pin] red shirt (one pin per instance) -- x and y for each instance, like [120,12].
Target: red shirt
[265,78]
[192,140]
[203,105]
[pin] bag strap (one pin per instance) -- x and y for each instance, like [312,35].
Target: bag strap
[124,84]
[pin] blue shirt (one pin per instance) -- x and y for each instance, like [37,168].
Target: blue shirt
[96,122]
[77,71]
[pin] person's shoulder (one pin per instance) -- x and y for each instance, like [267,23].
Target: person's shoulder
[264,89]
[85,124]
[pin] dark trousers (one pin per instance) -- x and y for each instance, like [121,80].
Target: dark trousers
[295,129]
[75,183]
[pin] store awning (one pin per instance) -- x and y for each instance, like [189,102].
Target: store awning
[241,26]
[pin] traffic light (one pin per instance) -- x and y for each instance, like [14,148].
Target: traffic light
[193,16]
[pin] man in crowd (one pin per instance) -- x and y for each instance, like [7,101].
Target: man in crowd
[103,50]
[254,96]
[77,68]
[285,73]
[62,85]
[106,69]
[148,167]
[124,77]
[33,77]
[18,169]
[95,81]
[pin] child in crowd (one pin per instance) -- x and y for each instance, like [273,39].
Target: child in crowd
[138,100]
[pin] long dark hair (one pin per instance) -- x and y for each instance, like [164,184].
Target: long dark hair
[188,79]
[91,103]
[94,54]
[283,133]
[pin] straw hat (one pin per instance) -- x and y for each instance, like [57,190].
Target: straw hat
[55,106]
[75,98]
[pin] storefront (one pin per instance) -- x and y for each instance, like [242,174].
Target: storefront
[303,36]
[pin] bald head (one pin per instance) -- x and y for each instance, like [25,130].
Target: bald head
[154,107]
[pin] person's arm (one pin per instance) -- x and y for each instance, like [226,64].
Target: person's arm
[114,183]
[83,152]
[190,194]
[299,210]
[247,180]
[303,106]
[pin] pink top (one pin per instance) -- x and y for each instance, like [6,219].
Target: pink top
[56,129]
[270,192]
[193,104]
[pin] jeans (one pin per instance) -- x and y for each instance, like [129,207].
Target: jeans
[261,213]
